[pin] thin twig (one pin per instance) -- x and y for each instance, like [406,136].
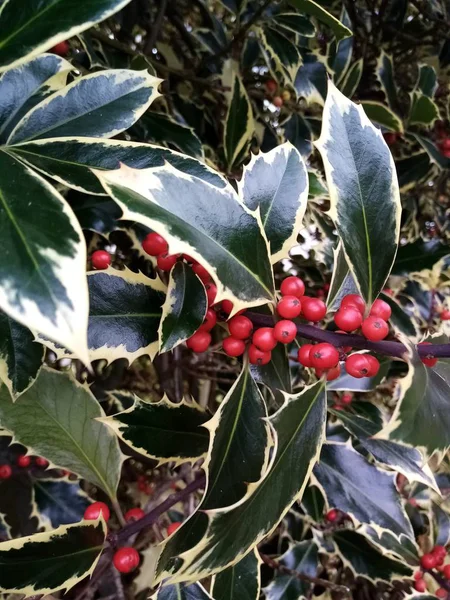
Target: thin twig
[439,579]
[154,32]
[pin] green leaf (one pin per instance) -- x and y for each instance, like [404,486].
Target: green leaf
[342,281]
[311,80]
[20,357]
[313,503]
[184,309]
[182,592]
[350,82]
[398,547]
[295,23]
[59,502]
[412,170]
[315,10]
[355,486]
[43,277]
[17,507]
[297,131]
[162,430]
[276,374]
[38,26]
[47,562]
[162,129]
[340,53]
[23,87]
[101,104]
[399,319]
[299,429]
[442,522]
[365,560]
[65,433]
[280,52]
[302,558]
[423,110]
[364,194]
[380,114]
[211,225]
[385,75]
[97,213]
[276,183]
[242,581]
[433,152]
[427,81]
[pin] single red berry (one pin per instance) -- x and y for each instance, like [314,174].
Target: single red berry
[173,527]
[264,339]
[233,347]
[126,559]
[61,49]
[93,511]
[347,398]
[390,138]
[258,357]
[23,461]
[344,348]
[201,273]
[357,365]
[446,571]
[189,259]
[441,593]
[289,307]
[348,318]
[278,101]
[420,585]
[240,327]
[211,293]
[292,286]
[134,514]
[439,559]
[374,365]
[445,315]
[5,471]
[331,374]
[429,361]
[166,261]
[227,306]
[418,575]
[100,260]
[439,551]
[374,329]
[313,309]
[154,244]
[354,300]
[199,342]
[271,86]
[42,462]
[285,331]
[428,561]
[381,309]
[413,502]
[324,356]
[304,355]
[332,515]
[209,321]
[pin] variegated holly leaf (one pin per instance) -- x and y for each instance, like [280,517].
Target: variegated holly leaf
[355,486]
[20,356]
[39,26]
[442,525]
[299,430]
[162,430]
[276,374]
[178,591]
[349,83]
[242,581]
[43,277]
[311,80]
[101,104]
[339,54]
[184,309]
[211,225]
[342,280]
[59,502]
[23,87]
[162,129]
[365,560]
[400,321]
[364,193]
[309,7]
[280,53]
[276,183]
[423,110]
[313,503]
[385,75]
[18,511]
[295,23]
[302,558]
[96,213]
[418,256]
[65,433]
[46,562]
[382,115]
[400,547]
[298,132]
[412,170]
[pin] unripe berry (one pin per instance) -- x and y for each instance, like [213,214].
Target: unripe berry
[292,286]
[304,355]
[374,329]
[357,365]
[61,49]
[134,514]
[289,307]
[23,461]
[173,527]
[233,347]
[240,327]
[100,260]
[209,321]
[258,357]
[420,585]
[227,306]
[346,398]
[154,244]
[381,309]
[166,261]
[428,561]
[42,462]
[211,293]
[374,365]
[348,318]
[5,471]
[285,331]
[199,342]
[324,356]
[278,101]
[441,593]
[313,309]
[446,571]
[126,559]
[445,315]
[264,339]
[286,95]
[271,86]
[93,511]
[429,361]
[354,300]
[332,515]
[201,273]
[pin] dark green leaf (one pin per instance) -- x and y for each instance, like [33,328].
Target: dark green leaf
[349,84]
[399,547]
[280,52]
[427,80]
[96,213]
[297,131]
[195,591]
[242,581]
[294,22]
[59,502]
[17,508]
[442,523]
[385,75]
[419,255]
[380,114]
[276,374]
[399,320]
[342,281]
[433,152]
[302,558]
[311,80]
[423,110]
[313,503]
[239,125]
[412,170]
[340,53]
[314,10]
[162,129]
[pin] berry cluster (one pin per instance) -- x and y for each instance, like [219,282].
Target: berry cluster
[278,99]
[23,461]
[432,560]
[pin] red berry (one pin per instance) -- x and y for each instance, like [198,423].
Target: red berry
[429,361]
[348,318]
[357,366]
[313,309]
[278,101]
[227,306]
[211,293]
[271,86]
[23,461]
[381,309]
[346,398]
[332,515]
[354,300]
[428,561]
[289,307]
[258,357]
[439,551]
[134,514]
[292,286]
[285,331]
[166,261]
[61,49]
[173,527]
[331,374]
[420,585]
[439,559]
[233,347]
[324,356]
[96,509]
[446,571]
[199,342]
[390,138]
[5,471]
[264,339]
[202,273]
[42,462]
[154,244]
[375,329]
[338,407]
[100,260]
[240,327]
[374,365]
[441,593]
[418,575]
[126,559]
[304,355]
[209,321]
[445,315]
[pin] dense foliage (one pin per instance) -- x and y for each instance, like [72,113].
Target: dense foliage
[224,299]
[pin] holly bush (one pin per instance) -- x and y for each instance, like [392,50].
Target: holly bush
[224,299]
